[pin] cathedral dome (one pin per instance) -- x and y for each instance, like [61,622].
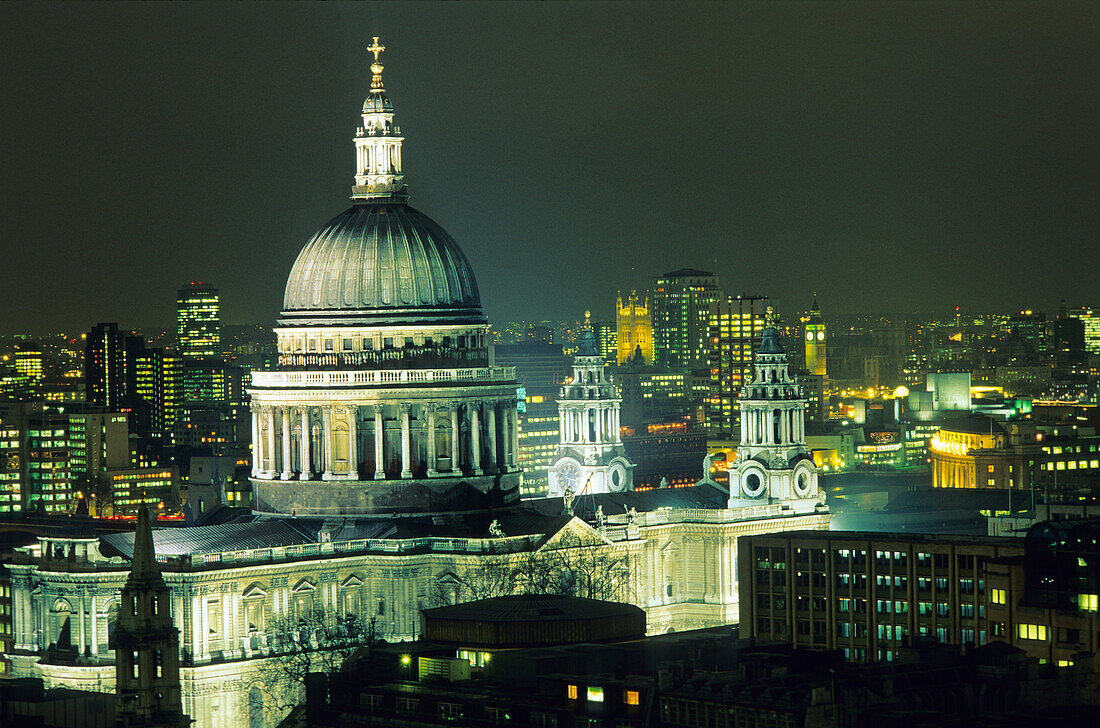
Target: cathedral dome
[382,261]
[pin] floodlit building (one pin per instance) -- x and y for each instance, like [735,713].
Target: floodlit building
[633,328]
[590,457]
[814,331]
[385,477]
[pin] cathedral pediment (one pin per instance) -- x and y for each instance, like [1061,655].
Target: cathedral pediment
[575,533]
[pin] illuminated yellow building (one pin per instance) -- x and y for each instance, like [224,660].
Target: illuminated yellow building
[814,331]
[634,328]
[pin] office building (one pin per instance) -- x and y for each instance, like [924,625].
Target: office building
[683,302]
[736,325]
[866,594]
[198,321]
[105,366]
[1090,318]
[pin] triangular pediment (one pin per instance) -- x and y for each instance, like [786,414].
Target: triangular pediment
[573,534]
[253,590]
[352,580]
[304,586]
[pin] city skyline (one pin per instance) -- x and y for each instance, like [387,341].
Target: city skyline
[907,153]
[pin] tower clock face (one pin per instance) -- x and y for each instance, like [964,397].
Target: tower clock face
[809,336]
[569,476]
[821,336]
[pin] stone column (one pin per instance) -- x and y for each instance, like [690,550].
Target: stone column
[431,440]
[513,437]
[379,433]
[255,443]
[455,470]
[406,460]
[475,439]
[494,459]
[271,472]
[288,467]
[307,469]
[94,628]
[326,438]
[82,617]
[353,442]
[197,608]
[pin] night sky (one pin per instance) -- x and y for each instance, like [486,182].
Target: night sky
[893,157]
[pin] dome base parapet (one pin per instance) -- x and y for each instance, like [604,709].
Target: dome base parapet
[397,497]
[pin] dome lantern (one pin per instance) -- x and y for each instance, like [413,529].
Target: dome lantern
[378,175]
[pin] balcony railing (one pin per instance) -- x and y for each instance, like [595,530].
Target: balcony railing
[381,377]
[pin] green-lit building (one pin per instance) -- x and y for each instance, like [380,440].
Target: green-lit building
[198,321]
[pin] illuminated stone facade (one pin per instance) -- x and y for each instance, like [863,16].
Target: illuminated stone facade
[773,461]
[591,458]
[384,399]
[816,341]
[384,404]
[67,592]
[633,328]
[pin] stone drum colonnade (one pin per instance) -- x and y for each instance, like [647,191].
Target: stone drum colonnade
[384,440]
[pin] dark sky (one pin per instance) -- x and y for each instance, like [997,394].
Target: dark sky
[894,157]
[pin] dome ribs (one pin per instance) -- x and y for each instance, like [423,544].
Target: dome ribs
[377,257]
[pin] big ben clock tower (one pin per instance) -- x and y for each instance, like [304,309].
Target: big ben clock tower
[816,340]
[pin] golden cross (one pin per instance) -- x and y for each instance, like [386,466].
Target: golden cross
[375,48]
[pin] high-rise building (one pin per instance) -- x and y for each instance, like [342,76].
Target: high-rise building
[608,337]
[591,458]
[683,302]
[1090,317]
[634,328]
[736,326]
[816,341]
[11,470]
[30,362]
[105,370]
[198,321]
[198,337]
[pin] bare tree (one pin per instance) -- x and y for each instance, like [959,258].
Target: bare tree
[569,566]
[313,641]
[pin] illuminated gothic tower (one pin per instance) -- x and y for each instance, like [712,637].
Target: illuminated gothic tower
[634,327]
[146,644]
[774,465]
[815,341]
[590,458]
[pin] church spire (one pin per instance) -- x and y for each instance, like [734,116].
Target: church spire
[146,644]
[378,175]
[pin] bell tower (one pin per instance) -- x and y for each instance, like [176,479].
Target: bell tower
[773,463]
[814,331]
[146,644]
[591,458]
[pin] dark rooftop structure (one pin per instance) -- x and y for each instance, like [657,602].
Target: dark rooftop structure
[531,620]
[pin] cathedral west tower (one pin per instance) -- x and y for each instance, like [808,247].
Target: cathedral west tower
[591,458]
[774,465]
